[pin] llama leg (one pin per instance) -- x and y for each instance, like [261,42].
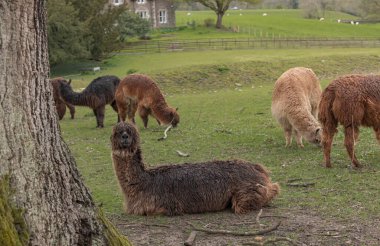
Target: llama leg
[72,110]
[288,135]
[114,106]
[131,110]
[377,132]
[327,138]
[298,139]
[100,116]
[144,113]
[349,139]
[121,110]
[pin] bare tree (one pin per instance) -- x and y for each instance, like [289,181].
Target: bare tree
[220,7]
[58,208]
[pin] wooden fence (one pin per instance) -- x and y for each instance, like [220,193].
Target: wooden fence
[230,44]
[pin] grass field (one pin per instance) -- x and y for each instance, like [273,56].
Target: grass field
[278,23]
[224,100]
[220,120]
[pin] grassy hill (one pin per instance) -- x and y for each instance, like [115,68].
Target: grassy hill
[277,23]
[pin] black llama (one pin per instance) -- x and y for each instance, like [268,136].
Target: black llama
[99,93]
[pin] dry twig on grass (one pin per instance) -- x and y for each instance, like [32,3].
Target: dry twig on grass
[226,232]
[191,239]
[165,133]
[271,241]
[180,153]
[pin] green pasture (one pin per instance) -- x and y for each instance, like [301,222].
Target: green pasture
[155,63]
[224,102]
[283,23]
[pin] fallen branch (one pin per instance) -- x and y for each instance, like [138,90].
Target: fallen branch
[180,153]
[225,232]
[271,241]
[165,133]
[190,240]
[300,184]
[133,225]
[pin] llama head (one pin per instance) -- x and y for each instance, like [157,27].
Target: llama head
[65,86]
[174,117]
[314,136]
[125,137]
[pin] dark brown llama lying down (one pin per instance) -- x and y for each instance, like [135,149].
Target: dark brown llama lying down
[351,100]
[186,188]
[60,104]
[99,93]
[138,92]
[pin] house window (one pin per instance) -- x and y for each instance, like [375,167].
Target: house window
[140,1]
[162,14]
[143,14]
[117,2]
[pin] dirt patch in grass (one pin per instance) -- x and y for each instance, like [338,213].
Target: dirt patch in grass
[302,226]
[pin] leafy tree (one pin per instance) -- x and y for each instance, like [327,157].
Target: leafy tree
[104,33]
[43,200]
[65,32]
[220,7]
[130,25]
[371,9]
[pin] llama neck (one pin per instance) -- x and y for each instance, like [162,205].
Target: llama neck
[162,112]
[129,168]
[310,124]
[74,98]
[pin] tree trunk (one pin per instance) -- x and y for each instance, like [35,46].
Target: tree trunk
[219,20]
[58,208]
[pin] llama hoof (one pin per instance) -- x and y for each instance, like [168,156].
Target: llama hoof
[356,165]
[301,146]
[327,165]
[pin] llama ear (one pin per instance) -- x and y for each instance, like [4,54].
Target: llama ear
[69,81]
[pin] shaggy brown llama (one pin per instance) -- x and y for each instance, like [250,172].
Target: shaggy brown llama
[351,100]
[295,100]
[60,104]
[187,188]
[139,92]
[99,93]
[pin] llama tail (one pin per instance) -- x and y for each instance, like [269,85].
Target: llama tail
[325,114]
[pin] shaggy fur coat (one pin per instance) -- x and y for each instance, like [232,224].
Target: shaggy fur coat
[295,100]
[351,100]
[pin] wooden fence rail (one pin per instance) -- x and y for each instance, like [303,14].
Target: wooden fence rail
[230,44]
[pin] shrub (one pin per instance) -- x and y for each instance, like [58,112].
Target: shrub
[209,22]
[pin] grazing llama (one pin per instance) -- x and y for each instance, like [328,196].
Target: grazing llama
[295,102]
[99,93]
[60,104]
[139,92]
[351,100]
[187,188]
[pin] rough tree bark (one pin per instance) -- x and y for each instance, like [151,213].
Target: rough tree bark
[46,185]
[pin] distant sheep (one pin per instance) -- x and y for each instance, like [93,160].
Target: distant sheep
[350,100]
[295,102]
[186,188]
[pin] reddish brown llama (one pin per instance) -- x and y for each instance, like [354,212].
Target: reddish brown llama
[139,92]
[60,104]
[186,188]
[351,100]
